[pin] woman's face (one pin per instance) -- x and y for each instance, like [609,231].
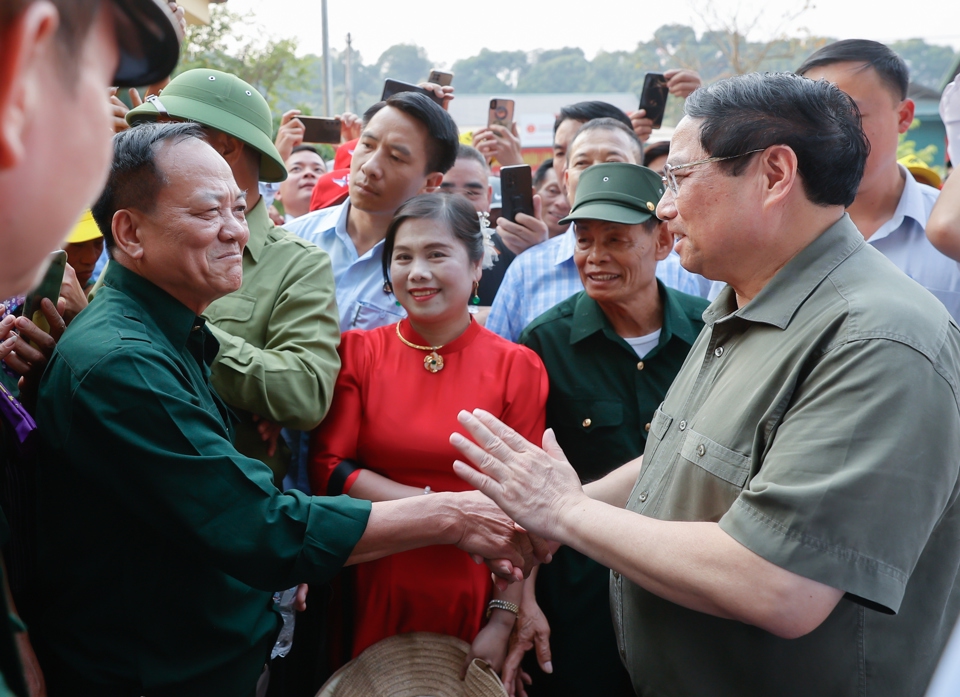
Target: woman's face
[433,278]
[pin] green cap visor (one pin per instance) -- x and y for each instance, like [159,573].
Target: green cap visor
[617,192]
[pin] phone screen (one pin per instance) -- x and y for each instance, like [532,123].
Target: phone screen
[320,130]
[653,99]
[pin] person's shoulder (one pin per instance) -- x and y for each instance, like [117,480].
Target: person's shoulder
[493,344]
[281,241]
[315,222]
[691,305]
[881,301]
[557,318]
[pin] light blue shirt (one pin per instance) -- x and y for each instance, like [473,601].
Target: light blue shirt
[903,240]
[359,279]
[545,275]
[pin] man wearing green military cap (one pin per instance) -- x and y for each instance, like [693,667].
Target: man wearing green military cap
[611,351]
[278,334]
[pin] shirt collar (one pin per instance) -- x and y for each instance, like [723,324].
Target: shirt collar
[566,243]
[911,205]
[174,319]
[589,318]
[259,224]
[779,300]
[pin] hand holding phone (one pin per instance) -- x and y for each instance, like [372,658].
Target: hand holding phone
[317,129]
[49,287]
[392,87]
[516,188]
[439,77]
[653,99]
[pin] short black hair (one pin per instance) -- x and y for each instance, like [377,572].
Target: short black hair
[468,152]
[135,179]
[655,150]
[453,211]
[443,137]
[816,120]
[608,124]
[588,111]
[303,147]
[891,68]
[541,172]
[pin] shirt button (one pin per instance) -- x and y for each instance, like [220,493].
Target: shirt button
[640,365]
[647,428]
[616,576]
[701,450]
[643,496]
[683,426]
[718,352]
[586,423]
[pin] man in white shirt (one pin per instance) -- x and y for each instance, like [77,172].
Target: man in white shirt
[891,208]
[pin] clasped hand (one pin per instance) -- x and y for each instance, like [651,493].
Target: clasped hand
[533,486]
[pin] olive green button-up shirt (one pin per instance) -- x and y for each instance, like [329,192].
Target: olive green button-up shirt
[159,543]
[278,337]
[819,425]
[602,399]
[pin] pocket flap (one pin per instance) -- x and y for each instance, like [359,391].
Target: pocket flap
[728,465]
[236,307]
[660,423]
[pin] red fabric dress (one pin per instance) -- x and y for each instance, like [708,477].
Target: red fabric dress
[394,417]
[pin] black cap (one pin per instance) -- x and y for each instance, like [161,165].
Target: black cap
[148,36]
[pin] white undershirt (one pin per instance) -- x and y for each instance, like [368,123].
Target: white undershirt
[644,344]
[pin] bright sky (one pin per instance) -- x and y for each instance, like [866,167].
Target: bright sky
[452,30]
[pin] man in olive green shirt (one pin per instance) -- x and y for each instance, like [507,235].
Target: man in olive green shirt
[793,529]
[611,352]
[279,332]
[160,544]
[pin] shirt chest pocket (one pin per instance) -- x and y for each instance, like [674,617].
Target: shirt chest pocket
[710,477]
[368,315]
[236,307]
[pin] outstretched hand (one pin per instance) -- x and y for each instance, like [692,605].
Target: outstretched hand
[532,485]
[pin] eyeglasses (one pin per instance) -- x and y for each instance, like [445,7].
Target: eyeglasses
[670,181]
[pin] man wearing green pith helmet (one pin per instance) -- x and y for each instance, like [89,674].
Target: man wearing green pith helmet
[278,333]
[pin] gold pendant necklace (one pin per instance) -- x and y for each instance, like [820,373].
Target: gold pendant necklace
[433,361]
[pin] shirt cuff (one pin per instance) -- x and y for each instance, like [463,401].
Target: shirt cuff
[342,477]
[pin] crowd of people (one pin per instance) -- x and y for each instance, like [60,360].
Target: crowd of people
[691,427]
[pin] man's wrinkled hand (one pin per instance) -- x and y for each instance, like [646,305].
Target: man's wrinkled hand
[532,485]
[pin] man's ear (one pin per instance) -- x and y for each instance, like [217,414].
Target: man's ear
[434,180]
[780,173]
[905,114]
[24,46]
[229,147]
[664,240]
[126,233]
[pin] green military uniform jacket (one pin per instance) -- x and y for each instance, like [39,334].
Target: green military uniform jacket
[819,425]
[602,398]
[278,337]
[160,545]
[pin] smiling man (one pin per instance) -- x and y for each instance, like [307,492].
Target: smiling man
[793,528]
[407,144]
[143,494]
[611,351]
[304,168]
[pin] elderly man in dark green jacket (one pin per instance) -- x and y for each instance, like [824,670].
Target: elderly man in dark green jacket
[160,544]
[278,333]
